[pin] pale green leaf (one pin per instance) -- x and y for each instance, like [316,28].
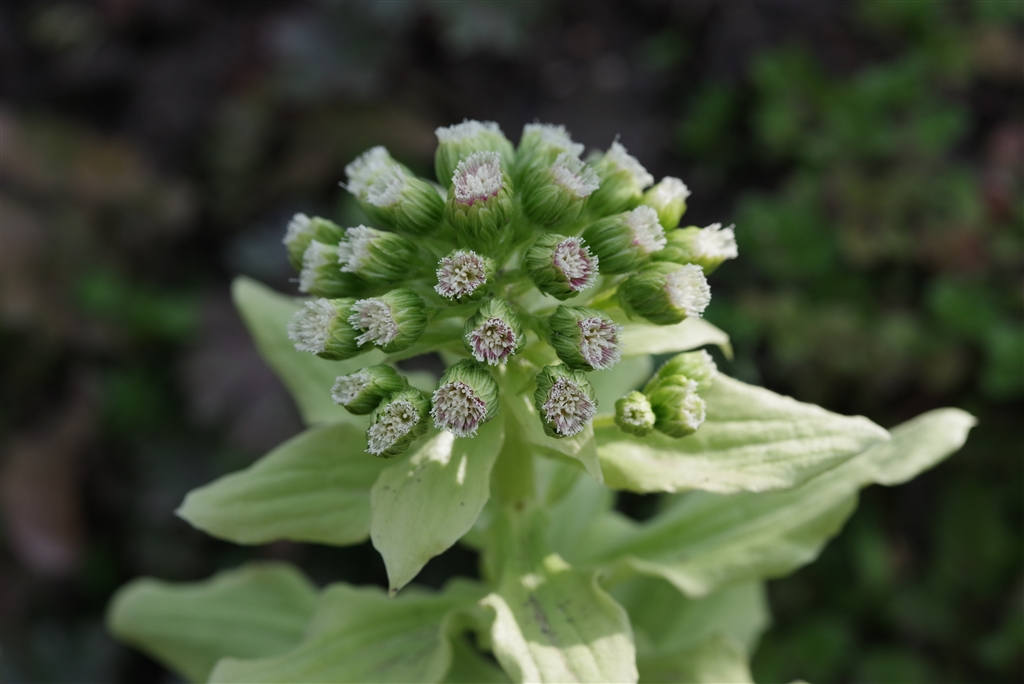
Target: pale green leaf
[553,623]
[752,440]
[705,541]
[422,505]
[470,667]
[717,660]
[256,610]
[639,337]
[358,634]
[308,377]
[314,487]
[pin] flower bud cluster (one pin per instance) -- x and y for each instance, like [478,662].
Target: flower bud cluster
[534,251]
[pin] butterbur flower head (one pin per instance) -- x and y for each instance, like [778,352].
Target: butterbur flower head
[399,200]
[584,338]
[297,237]
[678,409]
[361,392]
[558,193]
[539,146]
[465,398]
[457,142]
[626,241]
[565,400]
[480,198]
[633,414]
[707,247]
[462,274]
[393,321]
[396,423]
[696,365]
[623,180]
[668,198]
[665,293]
[321,276]
[366,169]
[561,266]
[375,255]
[321,327]
[494,333]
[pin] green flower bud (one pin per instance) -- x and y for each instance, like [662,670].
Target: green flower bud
[665,293]
[584,338]
[623,180]
[633,414]
[626,241]
[297,238]
[565,400]
[678,409]
[361,392]
[404,203]
[558,193]
[321,275]
[560,266]
[397,422]
[668,198]
[465,398]
[366,169]
[707,247]
[539,147]
[455,143]
[493,333]
[321,327]
[462,275]
[375,255]
[696,365]
[479,204]
[393,321]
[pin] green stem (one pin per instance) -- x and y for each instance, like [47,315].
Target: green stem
[604,421]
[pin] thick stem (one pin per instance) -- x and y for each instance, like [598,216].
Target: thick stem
[512,478]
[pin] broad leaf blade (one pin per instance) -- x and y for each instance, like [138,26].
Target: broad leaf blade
[553,623]
[639,338]
[705,541]
[717,660]
[256,610]
[752,440]
[610,385]
[469,667]
[422,505]
[358,634]
[308,377]
[314,487]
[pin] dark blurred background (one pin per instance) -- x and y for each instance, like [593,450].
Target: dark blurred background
[871,155]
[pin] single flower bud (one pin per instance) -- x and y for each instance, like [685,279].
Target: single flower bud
[375,255]
[321,276]
[665,293]
[696,365]
[584,339]
[404,203]
[565,400]
[455,143]
[633,414]
[493,333]
[321,327]
[297,238]
[462,275]
[465,398]
[557,193]
[393,321]
[707,247]
[539,147]
[366,169]
[626,241]
[623,180]
[479,202]
[560,266]
[361,392]
[668,198]
[678,409]
[397,422]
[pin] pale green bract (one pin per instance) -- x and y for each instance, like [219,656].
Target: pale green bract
[570,589]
